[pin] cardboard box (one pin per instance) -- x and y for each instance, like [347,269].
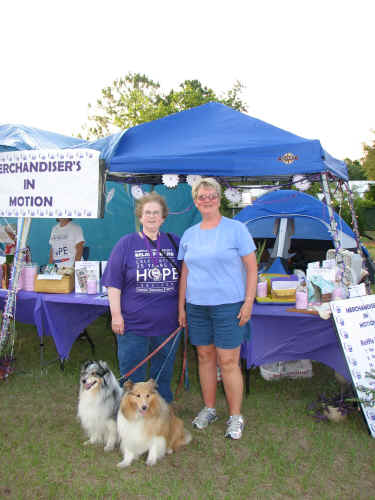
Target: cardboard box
[54,283]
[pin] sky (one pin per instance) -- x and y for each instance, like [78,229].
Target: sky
[307,66]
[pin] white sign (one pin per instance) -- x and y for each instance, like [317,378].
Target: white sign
[355,323]
[50,183]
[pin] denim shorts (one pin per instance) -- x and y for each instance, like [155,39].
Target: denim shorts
[216,325]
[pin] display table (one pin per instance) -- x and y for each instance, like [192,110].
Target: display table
[277,335]
[280,335]
[62,316]
[67,315]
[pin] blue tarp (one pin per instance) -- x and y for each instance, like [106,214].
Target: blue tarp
[214,139]
[21,138]
[311,218]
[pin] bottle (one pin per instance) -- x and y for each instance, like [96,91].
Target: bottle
[262,287]
[301,295]
[340,291]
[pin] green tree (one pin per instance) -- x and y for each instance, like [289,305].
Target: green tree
[369,160]
[356,171]
[137,99]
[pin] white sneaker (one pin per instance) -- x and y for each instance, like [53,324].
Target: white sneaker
[205,417]
[235,427]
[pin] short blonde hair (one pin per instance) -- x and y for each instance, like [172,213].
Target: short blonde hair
[208,183]
[148,198]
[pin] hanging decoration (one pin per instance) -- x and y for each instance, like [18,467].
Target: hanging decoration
[233,195]
[192,179]
[170,180]
[137,192]
[301,182]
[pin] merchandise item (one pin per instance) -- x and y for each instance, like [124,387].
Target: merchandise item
[302,296]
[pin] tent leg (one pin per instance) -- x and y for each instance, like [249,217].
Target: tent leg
[354,218]
[332,221]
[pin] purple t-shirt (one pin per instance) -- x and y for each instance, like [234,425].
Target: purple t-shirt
[149,299]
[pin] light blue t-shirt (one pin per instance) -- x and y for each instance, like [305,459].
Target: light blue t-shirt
[213,257]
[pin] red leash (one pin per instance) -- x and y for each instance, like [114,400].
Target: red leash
[173,334]
[183,363]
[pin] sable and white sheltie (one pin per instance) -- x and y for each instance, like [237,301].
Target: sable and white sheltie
[146,423]
[99,400]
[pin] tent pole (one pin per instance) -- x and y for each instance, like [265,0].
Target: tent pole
[354,218]
[332,219]
[7,336]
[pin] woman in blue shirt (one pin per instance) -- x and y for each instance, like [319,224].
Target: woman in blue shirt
[218,284]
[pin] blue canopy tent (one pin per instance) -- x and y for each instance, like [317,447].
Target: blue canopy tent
[216,140]
[20,138]
[213,139]
[310,216]
[294,224]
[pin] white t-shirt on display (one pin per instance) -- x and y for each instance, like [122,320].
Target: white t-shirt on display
[63,241]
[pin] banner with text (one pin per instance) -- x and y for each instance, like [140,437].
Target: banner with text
[355,324]
[50,183]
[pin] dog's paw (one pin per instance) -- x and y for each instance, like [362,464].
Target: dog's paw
[151,460]
[109,447]
[123,464]
[86,443]
[169,451]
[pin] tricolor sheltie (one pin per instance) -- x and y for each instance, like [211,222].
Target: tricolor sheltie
[146,423]
[99,400]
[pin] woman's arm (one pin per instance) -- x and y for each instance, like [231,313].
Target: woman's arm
[79,250]
[118,324]
[251,267]
[182,295]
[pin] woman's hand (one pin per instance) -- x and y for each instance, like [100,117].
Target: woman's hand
[245,313]
[182,318]
[118,324]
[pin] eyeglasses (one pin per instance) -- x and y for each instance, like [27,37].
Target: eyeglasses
[204,197]
[155,213]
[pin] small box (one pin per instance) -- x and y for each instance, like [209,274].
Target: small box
[53,283]
[284,287]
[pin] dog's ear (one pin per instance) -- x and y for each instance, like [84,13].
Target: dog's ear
[128,385]
[152,384]
[86,364]
[103,368]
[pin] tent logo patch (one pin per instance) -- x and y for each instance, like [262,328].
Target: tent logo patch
[288,158]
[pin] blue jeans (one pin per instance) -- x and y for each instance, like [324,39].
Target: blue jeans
[133,348]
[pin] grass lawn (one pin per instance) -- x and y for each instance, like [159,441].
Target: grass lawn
[284,453]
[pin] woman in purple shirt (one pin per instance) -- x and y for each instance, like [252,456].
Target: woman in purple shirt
[142,279]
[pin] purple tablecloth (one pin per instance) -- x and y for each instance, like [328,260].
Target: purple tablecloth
[63,316]
[278,335]
[28,308]
[67,315]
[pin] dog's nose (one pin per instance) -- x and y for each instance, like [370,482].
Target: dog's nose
[144,407]
[83,381]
